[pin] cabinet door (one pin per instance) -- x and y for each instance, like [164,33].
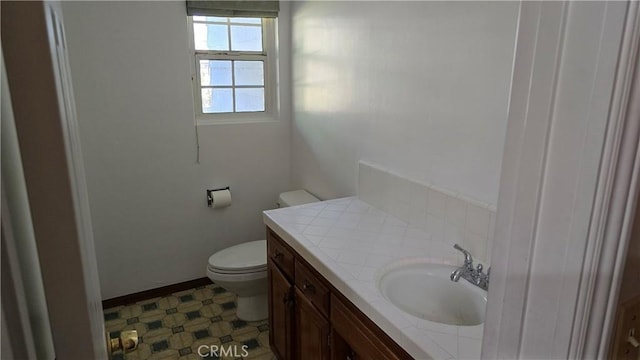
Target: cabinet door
[280,314]
[361,334]
[312,342]
[340,349]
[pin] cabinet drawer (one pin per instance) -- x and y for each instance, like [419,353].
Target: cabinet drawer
[280,254]
[312,287]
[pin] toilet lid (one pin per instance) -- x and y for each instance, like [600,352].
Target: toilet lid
[249,256]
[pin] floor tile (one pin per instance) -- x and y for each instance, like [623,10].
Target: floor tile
[175,326]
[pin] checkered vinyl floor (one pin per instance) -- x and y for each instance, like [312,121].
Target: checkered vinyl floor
[186,324]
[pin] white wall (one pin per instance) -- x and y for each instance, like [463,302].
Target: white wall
[131,75]
[420,88]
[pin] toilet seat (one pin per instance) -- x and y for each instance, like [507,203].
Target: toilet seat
[249,257]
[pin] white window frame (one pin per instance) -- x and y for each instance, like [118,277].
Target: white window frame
[268,55]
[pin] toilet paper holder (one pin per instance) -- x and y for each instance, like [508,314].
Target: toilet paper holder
[210,197]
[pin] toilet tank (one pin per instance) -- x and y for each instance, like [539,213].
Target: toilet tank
[297,197]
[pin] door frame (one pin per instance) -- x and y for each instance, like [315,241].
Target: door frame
[566,202]
[35,56]
[615,205]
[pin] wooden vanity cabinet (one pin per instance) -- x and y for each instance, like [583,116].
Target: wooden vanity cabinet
[311,320]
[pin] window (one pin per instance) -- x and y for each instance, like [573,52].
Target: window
[234,69]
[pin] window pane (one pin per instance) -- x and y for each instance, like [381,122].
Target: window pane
[215,72]
[249,72]
[210,37]
[249,100]
[210,18]
[246,38]
[246,20]
[217,100]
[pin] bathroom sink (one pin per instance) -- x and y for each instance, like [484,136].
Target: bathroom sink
[425,290]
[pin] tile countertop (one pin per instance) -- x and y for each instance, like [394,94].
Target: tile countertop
[348,241]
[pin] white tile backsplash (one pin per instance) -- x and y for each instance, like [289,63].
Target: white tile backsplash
[437,204]
[456,211]
[435,226]
[476,245]
[444,214]
[478,220]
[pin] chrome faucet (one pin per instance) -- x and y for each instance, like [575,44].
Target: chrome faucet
[466,271]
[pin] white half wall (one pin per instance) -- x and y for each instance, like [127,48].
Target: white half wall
[420,88]
[131,74]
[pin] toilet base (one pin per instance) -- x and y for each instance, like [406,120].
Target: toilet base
[252,308]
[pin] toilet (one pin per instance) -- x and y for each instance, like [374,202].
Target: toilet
[242,268]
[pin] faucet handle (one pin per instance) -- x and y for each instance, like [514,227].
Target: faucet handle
[467,256]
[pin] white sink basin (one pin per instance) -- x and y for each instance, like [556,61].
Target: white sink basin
[425,290]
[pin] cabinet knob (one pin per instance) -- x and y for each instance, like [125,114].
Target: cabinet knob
[308,287]
[277,256]
[288,300]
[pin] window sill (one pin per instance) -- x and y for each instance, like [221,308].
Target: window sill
[236,119]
